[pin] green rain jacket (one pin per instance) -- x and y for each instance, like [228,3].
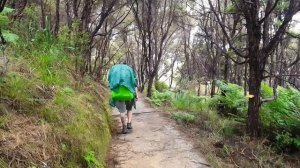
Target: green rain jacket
[122,75]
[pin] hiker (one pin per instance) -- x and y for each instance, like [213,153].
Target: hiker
[123,83]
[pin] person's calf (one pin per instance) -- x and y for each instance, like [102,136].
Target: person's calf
[129,116]
[124,123]
[123,118]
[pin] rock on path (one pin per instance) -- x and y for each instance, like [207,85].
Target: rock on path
[153,143]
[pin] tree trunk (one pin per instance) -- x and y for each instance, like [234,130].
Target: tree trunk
[56,28]
[150,84]
[19,8]
[69,18]
[43,19]
[245,79]
[254,103]
[213,88]
[272,66]
[206,88]
[172,76]
[238,73]
[256,70]
[226,69]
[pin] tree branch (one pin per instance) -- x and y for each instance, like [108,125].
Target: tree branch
[280,78]
[224,31]
[104,14]
[293,9]
[269,12]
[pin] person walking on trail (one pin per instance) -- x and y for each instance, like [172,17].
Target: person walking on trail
[122,83]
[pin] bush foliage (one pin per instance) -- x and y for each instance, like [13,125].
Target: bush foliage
[280,119]
[160,86]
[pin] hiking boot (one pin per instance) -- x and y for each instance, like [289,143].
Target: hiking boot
[129,126]
[124,130]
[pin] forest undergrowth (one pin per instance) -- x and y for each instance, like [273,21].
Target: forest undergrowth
[218,125]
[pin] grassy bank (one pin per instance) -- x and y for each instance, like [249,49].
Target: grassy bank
[48,116]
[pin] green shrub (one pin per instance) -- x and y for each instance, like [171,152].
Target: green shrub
[283,114]
[281,118]
[160,86]
[232,99]
[284,141]
[188,101]
[183,118]
[160,97]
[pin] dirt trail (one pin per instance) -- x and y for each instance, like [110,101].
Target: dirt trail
[154,142]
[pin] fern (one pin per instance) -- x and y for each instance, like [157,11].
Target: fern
[232,99]
[4,22]
[10,37]
[6,11]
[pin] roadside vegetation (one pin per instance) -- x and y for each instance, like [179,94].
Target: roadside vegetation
[220,125]
[49,115]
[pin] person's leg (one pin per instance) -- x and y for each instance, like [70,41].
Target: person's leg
[122,109]
[123,118]
[129,105]
[129,116]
